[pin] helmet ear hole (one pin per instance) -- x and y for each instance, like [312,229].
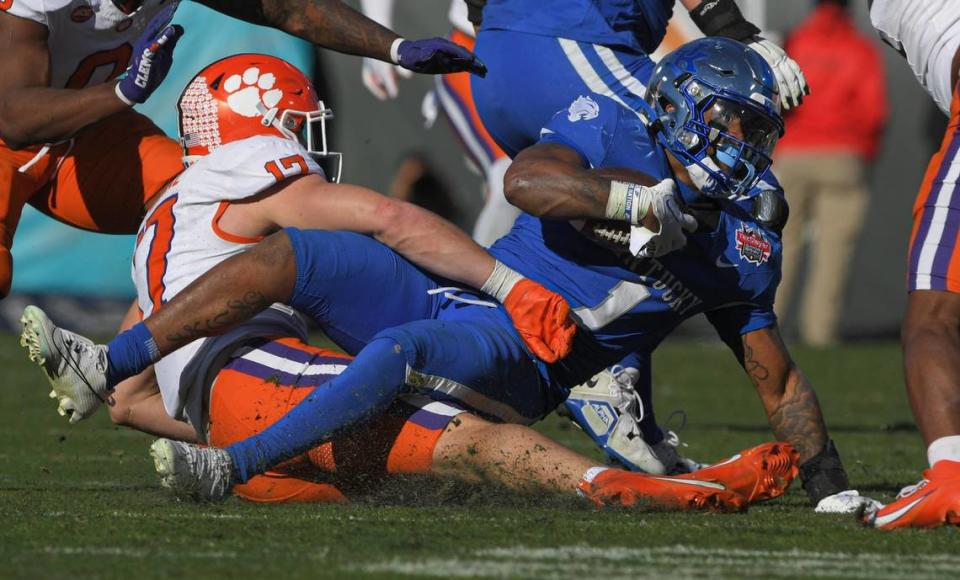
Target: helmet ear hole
[292,123]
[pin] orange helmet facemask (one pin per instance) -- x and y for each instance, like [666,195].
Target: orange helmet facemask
[252,94]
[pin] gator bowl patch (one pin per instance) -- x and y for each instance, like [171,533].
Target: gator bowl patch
[752,245]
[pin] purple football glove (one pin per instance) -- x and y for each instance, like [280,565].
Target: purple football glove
[436,56]
[152,58]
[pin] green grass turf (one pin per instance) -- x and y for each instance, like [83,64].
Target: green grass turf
[82,500]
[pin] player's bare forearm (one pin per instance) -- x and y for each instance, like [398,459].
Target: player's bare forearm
[30,111]
[432,243]
[421,236]
[549,180]
[139,405]
[30,116]
[790,401]
[233,291]
[328,23]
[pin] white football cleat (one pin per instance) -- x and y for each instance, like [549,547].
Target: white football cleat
[193,472]
[608,408]
[74,365]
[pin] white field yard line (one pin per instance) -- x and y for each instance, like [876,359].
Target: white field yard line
[675,561]
[137,553]
[142,553]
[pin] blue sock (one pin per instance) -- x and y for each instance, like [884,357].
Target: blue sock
[130,353]
[365,389]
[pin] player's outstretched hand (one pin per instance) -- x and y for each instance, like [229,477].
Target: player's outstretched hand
[542,318]
[436,56]
[152,58]
[793,85]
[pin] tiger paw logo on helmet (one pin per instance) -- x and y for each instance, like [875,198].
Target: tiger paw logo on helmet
[248,94]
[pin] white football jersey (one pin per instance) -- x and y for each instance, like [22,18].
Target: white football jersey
[180,238]
[90,41]
[927,33]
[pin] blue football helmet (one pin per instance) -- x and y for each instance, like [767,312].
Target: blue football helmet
[716,107]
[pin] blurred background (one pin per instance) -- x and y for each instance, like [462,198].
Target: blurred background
[388,147]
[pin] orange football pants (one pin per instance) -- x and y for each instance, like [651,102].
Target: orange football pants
[249,397]
[98,181]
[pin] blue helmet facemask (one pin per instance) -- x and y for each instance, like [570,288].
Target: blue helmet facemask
[716,108]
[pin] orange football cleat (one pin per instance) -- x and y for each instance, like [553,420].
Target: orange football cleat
[931,503]
[627,489]
[542,318]
[758,474]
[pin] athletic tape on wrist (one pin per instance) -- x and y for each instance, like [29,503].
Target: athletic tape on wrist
[395,50]
[823,474]
[501,281]
[627,202]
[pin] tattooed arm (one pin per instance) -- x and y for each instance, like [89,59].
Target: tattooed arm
[791,404]
[795,416]
[328,23]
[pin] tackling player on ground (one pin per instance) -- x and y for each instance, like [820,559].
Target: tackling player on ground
[455,345]
[247,179]
[72,69]
[927,33]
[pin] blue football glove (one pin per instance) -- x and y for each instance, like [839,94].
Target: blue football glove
[436,56]
[152,58]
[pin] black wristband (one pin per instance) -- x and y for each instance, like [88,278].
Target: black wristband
[722,18]
[475,11]
[823,474]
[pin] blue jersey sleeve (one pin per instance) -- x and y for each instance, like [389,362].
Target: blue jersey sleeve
[589,126]
[734,321]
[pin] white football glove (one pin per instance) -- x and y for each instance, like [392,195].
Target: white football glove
[793,85]
[664,204]
[380,78]
[846,502]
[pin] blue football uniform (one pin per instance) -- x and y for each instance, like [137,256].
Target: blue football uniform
[412,332]
[637,25]
[542,55]
[730,272]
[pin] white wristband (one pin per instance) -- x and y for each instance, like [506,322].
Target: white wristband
[122,96]
[395,50]
[501,281]
[627,202]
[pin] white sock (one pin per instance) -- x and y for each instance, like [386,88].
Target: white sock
[944,449]
[588,477]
